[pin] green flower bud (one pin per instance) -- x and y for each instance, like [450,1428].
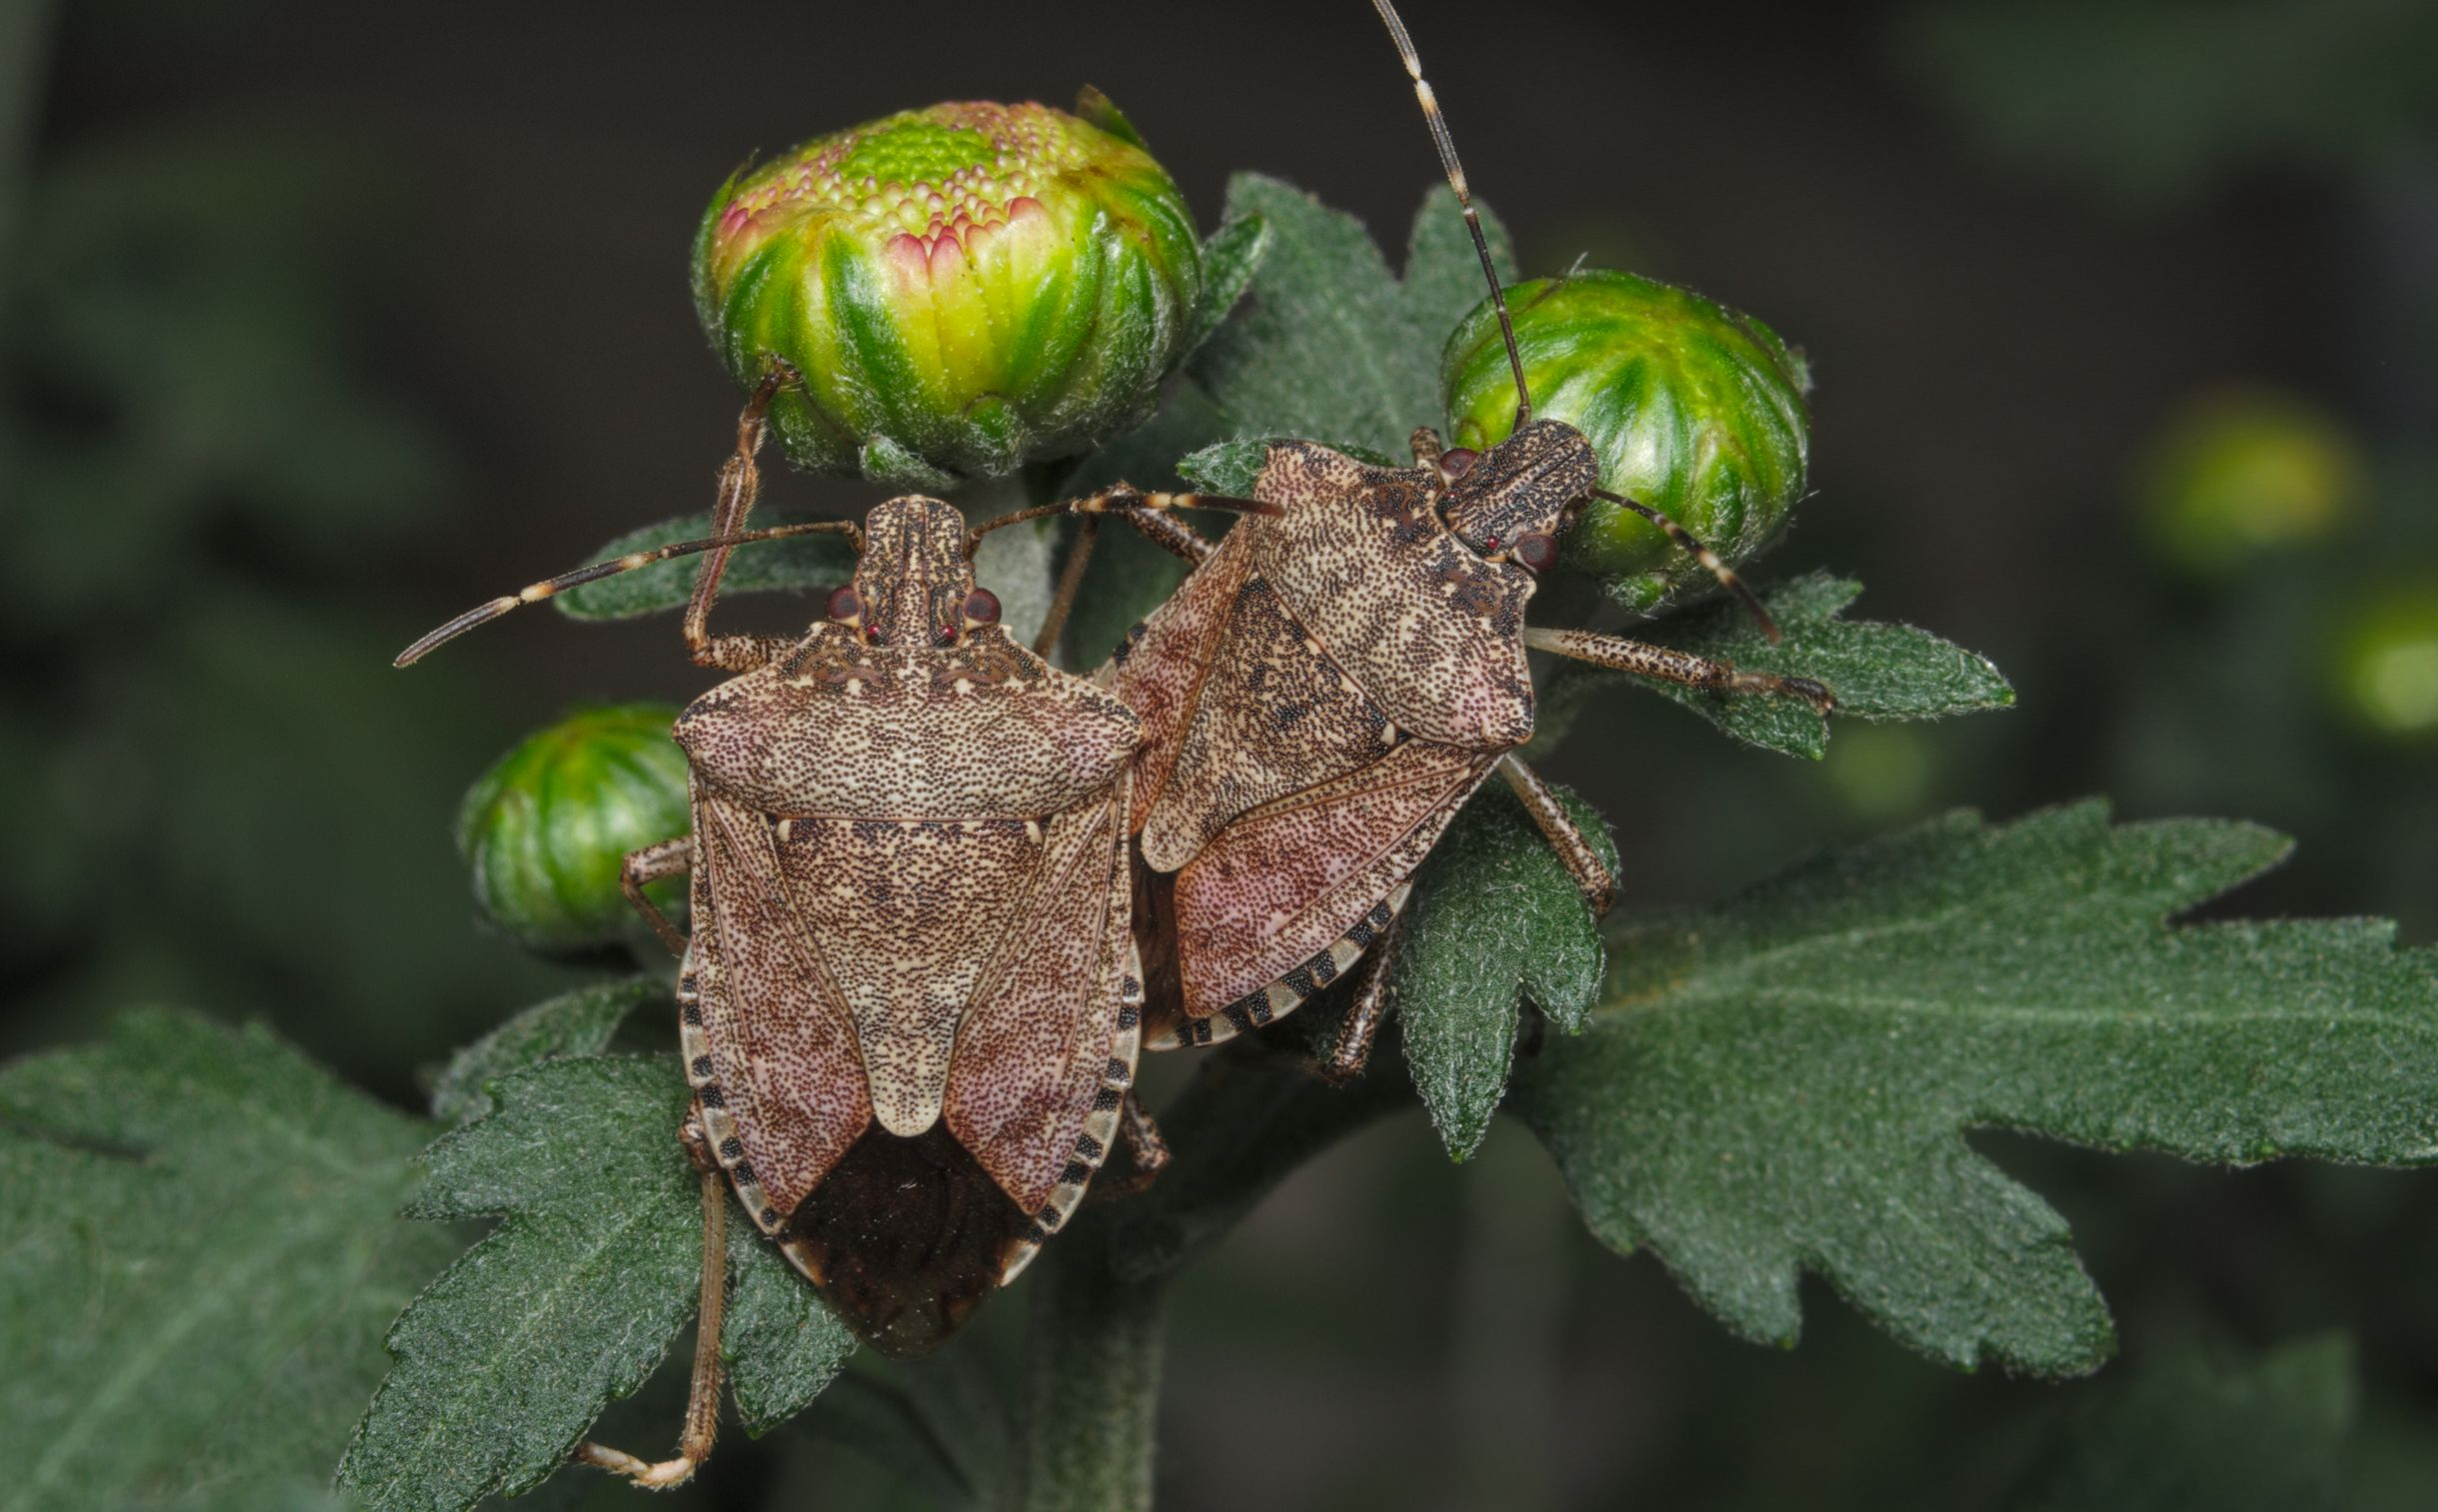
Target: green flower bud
[2241,474]
[965,289]
[2387,663]
[1695,410]
[546,827]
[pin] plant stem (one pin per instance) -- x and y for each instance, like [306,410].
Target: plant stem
[1098,1330]
[1091,1383]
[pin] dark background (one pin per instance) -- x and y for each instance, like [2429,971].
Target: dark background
[321,323]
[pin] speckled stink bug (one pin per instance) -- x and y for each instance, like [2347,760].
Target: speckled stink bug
[911,1001]
[1332,681]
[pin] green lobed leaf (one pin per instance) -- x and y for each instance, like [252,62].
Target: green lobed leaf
[2185,1435]
[1496,917]
[1332,345]
[1784,1083]
[796,564]
[505,1361]
[581,1023]
[1232,468]
[781,1345]
[1877,670]
[1230,259]
[199,1248]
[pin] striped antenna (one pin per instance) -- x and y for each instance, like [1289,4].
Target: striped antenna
[1456,181]
[535,592]
[1692,547]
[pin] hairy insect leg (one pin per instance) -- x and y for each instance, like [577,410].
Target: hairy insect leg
[702,1428]
[1170,535]
[1143,1143]
[650,865]
[1565,835]
[740,488]
[1071,583]
[1672,665]
[1361,1028]
[1139,509]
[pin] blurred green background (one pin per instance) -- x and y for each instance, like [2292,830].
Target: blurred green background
[321,323]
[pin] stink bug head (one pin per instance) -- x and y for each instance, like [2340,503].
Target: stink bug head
[913,581]
[1523,486]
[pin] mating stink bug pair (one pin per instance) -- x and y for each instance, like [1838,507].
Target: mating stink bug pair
[943,891]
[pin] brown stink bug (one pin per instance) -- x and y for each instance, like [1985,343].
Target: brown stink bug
[1333,681]
[911,1001]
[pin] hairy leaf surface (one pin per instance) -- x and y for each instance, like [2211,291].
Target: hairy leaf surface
[1784,1083]
[199,1249]
[581,1023]
[1231,258]
[1495,919]
[505,1361]
[1877,670]
[1332,345]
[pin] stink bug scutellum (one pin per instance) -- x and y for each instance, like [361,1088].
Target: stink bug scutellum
[1331,683]
[912,1000]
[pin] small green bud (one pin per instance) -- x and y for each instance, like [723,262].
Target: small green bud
[547,827]
[2387,663]
[1695,410]
[965,289]
[2241,474]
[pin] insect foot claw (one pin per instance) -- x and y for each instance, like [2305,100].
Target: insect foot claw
[652,1476]
[1814,694]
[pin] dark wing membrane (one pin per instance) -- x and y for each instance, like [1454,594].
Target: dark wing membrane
[906,1237]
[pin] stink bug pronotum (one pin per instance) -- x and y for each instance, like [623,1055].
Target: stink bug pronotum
[912,1000]
[1331,683]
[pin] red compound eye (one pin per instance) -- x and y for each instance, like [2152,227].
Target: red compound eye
[981,607]
[845,602]
[1456,462]
[1538,551]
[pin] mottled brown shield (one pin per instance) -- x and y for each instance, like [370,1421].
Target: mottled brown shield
[911,1002]
[1320,698]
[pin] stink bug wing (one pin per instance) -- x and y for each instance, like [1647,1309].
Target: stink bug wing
[1048,1045]
[1276,717]
[1159,667]
[1418,620]
[1290,894]
[773,1060]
